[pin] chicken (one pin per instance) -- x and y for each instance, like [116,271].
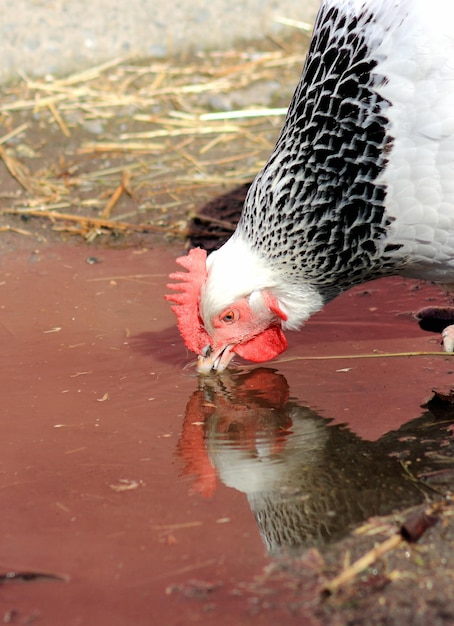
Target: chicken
[360,184]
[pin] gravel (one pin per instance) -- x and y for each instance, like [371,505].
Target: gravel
[55,37]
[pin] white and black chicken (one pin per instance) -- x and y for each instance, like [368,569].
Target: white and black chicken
[360,184]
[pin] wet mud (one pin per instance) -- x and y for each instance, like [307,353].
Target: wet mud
[133,492]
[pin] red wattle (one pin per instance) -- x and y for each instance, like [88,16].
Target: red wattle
[269,344]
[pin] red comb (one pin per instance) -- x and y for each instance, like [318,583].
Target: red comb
[186,306]
[192,447]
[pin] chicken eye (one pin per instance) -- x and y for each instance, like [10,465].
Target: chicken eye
[229,316]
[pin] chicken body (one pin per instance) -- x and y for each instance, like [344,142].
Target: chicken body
[360,184]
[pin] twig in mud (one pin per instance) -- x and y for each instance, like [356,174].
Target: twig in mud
[363,563]
[410,531]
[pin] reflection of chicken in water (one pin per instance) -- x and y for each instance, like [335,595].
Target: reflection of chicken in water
[306,482]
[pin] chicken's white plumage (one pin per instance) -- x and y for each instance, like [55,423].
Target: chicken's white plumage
[418,63]
[360,183]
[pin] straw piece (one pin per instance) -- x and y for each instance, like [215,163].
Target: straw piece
[306,26]
[202,130]
[123,187]
[374,355]
[93,222]
[18,171]
[115,146]
[91,73]
[19,231]
[234,115]
[16,131]
[58,118]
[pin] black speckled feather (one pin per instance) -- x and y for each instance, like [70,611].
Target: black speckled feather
[317,209]
[360,183]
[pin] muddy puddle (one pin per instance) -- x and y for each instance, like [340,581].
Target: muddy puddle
[133,493]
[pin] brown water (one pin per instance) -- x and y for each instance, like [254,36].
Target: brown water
[133,487]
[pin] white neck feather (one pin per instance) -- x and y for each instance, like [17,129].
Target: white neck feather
[235,271]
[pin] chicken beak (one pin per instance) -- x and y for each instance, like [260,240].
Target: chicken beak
[214,361]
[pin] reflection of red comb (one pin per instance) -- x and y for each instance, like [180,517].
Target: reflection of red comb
[192,446]
[186,306]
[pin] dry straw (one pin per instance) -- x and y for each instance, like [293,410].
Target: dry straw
[132,146]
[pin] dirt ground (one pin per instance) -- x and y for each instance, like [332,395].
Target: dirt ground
[158,155]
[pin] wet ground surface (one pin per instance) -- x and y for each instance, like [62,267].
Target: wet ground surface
[133,492]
